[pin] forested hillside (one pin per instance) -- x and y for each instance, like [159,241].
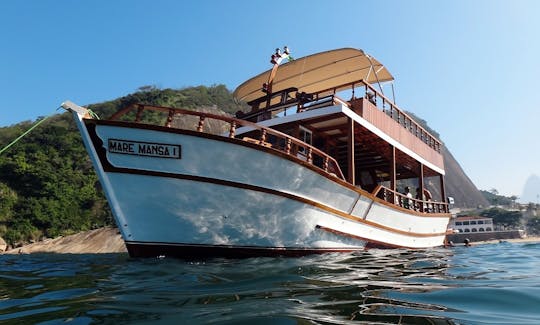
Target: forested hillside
[457,184]
[48,186]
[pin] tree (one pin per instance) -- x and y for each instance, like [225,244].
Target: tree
[511,219]
[47,183]
[533,225]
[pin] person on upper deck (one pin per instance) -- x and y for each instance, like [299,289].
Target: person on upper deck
[407,203]
[426,196]
[371,97]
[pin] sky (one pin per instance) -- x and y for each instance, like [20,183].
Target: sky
[467,67]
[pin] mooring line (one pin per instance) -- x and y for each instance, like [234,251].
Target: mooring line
[28,131]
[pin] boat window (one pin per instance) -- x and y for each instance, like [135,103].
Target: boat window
[306,136]
[466,223]
[480,222]
[467,230]
[473,222]
[458,223]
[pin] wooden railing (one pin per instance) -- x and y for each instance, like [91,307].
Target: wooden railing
[400,117]
[406,202]
[266,137]
[328,97]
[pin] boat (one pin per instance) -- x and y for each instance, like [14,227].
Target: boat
[317,164]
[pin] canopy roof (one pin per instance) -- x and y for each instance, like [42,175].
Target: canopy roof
[318,72]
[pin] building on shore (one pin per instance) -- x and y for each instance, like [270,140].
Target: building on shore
[475,229]
[465,224]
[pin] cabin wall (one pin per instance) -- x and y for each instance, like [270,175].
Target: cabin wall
[385,123]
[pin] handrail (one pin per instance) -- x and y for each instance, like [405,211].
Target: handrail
[405,120]
[289,145]
[402,200]
[394,111]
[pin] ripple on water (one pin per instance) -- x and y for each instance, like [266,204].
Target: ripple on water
[484,284]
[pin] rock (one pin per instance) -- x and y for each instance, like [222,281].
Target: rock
[103,240]
[3,245]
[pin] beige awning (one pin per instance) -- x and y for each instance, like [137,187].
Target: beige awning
[318,72]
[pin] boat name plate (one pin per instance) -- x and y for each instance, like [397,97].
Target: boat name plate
[139,148]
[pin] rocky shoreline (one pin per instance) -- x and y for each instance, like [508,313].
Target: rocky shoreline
[102,240]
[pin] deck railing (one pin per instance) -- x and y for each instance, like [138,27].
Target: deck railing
[387,106]
[406,202]
[328,97]
[401,117]
[266,137]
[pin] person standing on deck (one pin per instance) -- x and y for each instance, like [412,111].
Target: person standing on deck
[407,203]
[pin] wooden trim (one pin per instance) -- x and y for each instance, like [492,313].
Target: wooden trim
[402,134]
[415,201]
[443,189]
[315,151]
[369,242]
[393,181]
[421,186]
[108,167]
[264,190]
[350,151]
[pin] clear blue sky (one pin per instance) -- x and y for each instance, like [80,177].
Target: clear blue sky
[470,68]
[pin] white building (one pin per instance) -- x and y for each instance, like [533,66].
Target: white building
[471,224]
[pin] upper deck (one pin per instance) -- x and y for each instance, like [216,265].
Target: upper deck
[376,144]
[315,81]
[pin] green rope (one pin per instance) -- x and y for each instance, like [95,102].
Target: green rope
[25,133]
[93,114]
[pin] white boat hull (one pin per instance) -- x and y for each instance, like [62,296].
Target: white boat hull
[221,196]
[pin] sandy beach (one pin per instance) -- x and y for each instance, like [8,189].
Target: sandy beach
[528,239]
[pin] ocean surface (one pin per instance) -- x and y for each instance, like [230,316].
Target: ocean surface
[483,284]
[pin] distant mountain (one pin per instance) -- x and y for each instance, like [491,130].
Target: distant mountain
[459,185]
[531,190]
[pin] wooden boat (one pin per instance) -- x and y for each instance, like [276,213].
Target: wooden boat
[305,171]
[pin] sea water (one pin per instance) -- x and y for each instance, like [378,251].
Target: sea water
[482,284]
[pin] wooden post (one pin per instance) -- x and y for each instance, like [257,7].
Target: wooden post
[140,110]
[325,164]
[170,118]
[421,187]
[288,146]
[232,130]
[393,171]
[201,123]
[350,152]
[443,192]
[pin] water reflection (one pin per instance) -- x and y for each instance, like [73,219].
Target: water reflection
[439,286]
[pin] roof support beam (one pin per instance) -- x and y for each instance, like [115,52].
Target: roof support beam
[420,195]
[392,167]
[350,151]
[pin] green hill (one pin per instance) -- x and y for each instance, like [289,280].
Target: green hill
[47,184]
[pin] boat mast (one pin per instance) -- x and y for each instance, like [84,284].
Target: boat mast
[275,59]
